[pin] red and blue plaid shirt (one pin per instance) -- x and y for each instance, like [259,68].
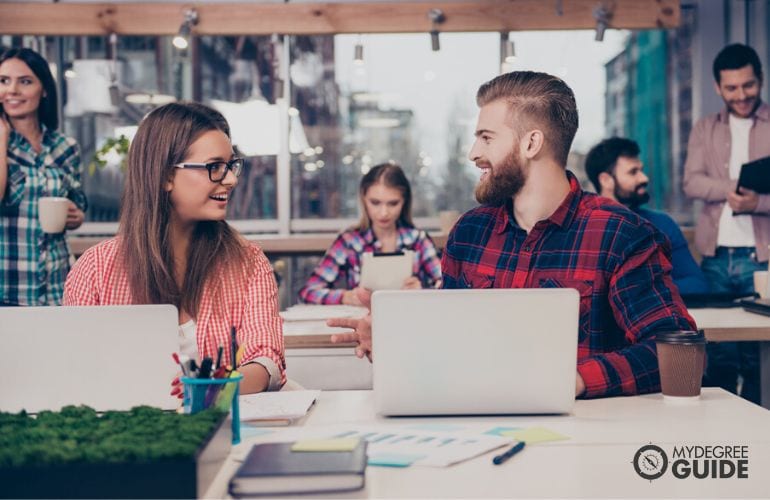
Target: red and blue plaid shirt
[342,263]
[618,262]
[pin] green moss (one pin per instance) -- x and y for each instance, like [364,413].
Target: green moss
[77,434]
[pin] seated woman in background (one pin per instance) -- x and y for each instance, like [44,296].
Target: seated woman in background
[174,247]
[35,161]
[385,226]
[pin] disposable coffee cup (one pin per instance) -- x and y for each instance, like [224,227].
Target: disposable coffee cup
[52,213]
[681,359]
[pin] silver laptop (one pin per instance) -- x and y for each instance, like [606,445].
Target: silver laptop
[106,357]
[455,352]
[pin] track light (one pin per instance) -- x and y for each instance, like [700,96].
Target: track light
[507,49]
[602,14]
[114,89]
[181,40]
[358,55]
[436,17]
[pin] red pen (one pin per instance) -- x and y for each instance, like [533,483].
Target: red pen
[175,357]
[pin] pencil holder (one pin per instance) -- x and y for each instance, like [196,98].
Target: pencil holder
[221,393]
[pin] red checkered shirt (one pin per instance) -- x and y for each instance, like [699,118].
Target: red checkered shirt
[619,262]
[99,278]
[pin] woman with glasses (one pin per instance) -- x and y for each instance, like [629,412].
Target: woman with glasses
[174,246]
[36,161]
[385,226]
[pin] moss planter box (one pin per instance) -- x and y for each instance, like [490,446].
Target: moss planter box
[143,453]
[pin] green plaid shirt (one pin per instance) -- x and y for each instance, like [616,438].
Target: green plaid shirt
[33,264]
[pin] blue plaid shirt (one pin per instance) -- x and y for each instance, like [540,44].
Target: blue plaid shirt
[34,264]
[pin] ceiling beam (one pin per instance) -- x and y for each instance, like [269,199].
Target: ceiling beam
[241,18]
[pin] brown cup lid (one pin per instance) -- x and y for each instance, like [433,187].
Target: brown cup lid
[681,337]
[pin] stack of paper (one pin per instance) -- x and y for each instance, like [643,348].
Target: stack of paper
[306,312]
[276,408]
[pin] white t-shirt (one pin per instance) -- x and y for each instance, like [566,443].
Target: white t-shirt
[737,230]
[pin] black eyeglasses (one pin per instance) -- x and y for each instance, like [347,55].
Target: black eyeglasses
[217,169]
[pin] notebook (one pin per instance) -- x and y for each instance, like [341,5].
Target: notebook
[759,306]
[106,357]
[272,468]
[276,408]
[491,351]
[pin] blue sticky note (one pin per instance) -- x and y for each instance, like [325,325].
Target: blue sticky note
[248,431]
[393,459]
[501,431]
[436,427]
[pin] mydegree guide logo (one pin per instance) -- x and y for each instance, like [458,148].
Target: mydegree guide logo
[693,462]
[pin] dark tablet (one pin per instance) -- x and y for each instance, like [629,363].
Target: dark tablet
[755,175]
[712,300]
[759,306]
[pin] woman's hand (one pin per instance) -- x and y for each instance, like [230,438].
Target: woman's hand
[411,283]
[75,216]
[350,297]
[176,386]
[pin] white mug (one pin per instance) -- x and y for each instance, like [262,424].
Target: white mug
[52,213]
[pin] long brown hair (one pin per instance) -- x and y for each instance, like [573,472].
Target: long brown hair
[392,176]
[162,140]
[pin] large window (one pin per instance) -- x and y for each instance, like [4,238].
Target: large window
[400,102]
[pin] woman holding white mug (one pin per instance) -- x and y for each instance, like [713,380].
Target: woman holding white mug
[36,161]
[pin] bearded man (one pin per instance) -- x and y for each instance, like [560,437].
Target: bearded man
[537,229]
[616,171]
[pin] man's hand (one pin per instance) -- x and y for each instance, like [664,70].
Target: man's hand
[362,327]
[744,202]
[75,216]
[580,386]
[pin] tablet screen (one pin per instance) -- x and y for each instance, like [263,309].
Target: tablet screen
[386,271]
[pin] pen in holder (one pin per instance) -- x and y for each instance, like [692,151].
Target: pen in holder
[221,393]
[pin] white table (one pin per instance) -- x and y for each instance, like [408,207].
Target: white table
[594,463]
[735,324]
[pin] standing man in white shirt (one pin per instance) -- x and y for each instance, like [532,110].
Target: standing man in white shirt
[733,246]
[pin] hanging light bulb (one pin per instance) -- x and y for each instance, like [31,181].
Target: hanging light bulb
[181,40]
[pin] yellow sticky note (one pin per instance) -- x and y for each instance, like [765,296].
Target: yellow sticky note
[532,435]
[337,444]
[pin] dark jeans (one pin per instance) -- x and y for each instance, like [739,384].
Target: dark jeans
[731,270]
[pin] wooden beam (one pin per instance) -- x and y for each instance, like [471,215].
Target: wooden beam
[243,18]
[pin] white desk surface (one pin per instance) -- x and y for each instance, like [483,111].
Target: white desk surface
[594,463]
[720,324]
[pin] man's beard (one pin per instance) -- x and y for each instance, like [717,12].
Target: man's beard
[502,182]
[731,108]
[631,199]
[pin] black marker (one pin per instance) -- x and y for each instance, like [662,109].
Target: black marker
[508,454]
